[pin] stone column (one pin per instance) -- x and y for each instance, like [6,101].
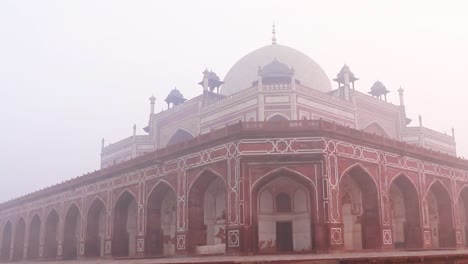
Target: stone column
[181,235]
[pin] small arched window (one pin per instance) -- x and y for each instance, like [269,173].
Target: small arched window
[283,203]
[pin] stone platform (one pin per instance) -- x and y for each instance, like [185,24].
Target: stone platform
[432,256]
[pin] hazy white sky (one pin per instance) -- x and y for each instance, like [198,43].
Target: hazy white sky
[73,72]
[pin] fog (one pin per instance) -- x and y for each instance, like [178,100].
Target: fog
[74,72]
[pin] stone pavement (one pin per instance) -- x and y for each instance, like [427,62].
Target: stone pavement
[432,256]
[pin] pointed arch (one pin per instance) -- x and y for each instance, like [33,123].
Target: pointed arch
[207,216]
[71,232]
[6,241]
[376,128]
[51,232]
[405,213]
[20,232]
[295,195]
[95,228]
[124,229]
[440,215]
[34,237]
[179,136]
[360,209]
[278,117]
[161,220]
[463,213]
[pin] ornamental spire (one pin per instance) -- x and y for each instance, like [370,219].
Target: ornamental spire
[273,32]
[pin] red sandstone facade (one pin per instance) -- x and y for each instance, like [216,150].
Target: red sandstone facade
[255,169]
[317,155]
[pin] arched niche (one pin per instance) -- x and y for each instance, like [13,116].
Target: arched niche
[161,220]
[283,213]
[180,135]
[463,214]
[95,229]
[278,118]
[125,226]
[71,235]
[6,241]
[376,128]
[34,238]
[51,232]
[207,214]
[405,214]
[20,232]
[440,216]
[360,210]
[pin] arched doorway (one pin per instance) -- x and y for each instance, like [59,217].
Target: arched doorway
[360,210]
[34,235]
[51,228]
[161,221]
[207,214]
[463,214]
[440,216]
[6,242]
[95,229]
[406,220]
[283,203]
[125,226]
[20,231]
[71,235]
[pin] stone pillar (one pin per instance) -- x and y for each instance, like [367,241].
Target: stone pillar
[181,235]
[140,239]
[109,224]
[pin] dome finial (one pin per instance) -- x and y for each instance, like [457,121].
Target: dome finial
[273,32]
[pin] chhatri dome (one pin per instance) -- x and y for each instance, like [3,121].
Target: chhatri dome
[245,71]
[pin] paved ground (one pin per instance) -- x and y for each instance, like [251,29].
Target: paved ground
[368,257]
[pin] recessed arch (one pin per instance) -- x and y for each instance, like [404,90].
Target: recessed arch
[360,209]
[405,215]
[463,213]
[180,135]
[34,237]
[278,117]
[161,217]
[283,212]
[440,215]
[51,232]
[20,232]
[71,233]
[6,241]
[358,167]
[376,128]
[207,216]
[124,229]
[95,228]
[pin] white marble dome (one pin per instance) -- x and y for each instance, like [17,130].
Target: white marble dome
[245,71]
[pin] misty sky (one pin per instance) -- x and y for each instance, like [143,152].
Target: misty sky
[73,72]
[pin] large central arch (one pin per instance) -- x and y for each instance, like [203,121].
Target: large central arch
[161,221]
[125,226]
[440,216]
[360,210]
[405,213]
[283,212]
[207,214]
[95,229]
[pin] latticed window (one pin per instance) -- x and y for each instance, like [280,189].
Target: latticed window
[283,203]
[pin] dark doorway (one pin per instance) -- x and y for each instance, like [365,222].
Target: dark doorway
[284,241]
